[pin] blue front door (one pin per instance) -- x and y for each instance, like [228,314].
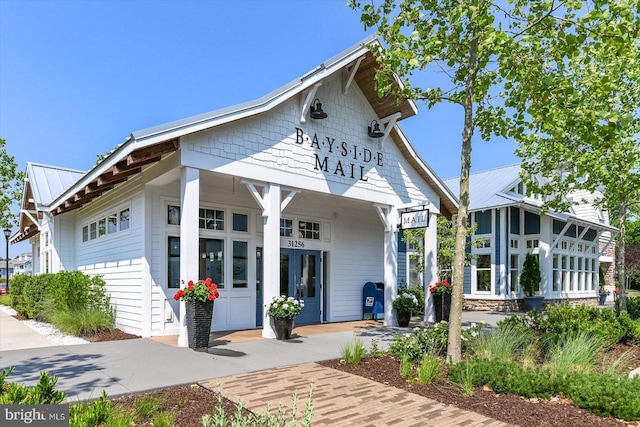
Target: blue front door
[300,278]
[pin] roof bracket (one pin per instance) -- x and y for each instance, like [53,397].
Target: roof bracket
[307,100]
[349,74]
[389,122]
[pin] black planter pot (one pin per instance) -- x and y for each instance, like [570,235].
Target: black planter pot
[283,327]
[442,305]
[603,298]
[199,315]
[534,303]
[404,317]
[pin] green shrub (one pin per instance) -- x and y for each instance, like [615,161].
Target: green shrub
[94,414]
[16,287]
[564,319]
[42,393]
[17,283]
[631,328]
[83,321]
[605,395]
[633,307]
[34,294]
[530,277]
[421,341]
[73,290]
[504,377]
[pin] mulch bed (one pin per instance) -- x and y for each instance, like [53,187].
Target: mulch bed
[516,410]
[112,335]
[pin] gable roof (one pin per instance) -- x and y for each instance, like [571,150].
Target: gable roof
[147,146]
[490,189]
[43,183]
[487,188]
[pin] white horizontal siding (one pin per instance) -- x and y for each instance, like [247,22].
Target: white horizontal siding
[118,258]
[356,258]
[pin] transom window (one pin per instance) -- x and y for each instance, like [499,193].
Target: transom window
[111,223]
[211,219]
[309,230]
[286,227]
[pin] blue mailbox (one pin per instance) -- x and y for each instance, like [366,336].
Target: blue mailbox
[372,300]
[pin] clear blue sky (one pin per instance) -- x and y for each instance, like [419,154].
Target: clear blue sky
[78,76]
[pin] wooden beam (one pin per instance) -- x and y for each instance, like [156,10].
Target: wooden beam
[113,178]
[152,152]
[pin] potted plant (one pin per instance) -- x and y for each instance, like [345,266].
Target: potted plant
[602,294]
[282,310]
[441,293]
[198,298]
[530,279]
[405,305]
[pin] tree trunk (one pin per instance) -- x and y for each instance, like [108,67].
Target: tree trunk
[620,262]
[454,349]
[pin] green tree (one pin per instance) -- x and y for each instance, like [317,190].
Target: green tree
[578,120]
[10,187]
[466,43]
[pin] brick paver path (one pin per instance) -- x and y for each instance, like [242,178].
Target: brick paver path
[342,399]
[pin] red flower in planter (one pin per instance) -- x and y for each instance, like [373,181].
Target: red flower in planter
[202,290]
[441,287]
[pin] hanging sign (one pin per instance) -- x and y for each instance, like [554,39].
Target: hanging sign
[414,219]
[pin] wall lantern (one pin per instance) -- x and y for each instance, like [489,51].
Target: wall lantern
[376,132]
[316,110]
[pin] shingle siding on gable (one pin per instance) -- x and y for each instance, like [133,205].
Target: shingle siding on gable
[272,140]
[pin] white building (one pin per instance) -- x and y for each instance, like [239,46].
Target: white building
[572,246]
[261,197]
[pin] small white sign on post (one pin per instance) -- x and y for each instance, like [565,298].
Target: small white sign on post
[414,219]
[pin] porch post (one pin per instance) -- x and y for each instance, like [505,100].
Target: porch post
[271,252]
[546,256]
[189,238]
[430,265]
[389,216]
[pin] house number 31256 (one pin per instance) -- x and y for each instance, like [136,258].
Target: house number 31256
[295,243]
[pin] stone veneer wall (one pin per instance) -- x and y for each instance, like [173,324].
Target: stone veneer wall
[518,304]
[609,268]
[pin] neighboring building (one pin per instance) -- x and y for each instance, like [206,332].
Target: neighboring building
[571,245]
[3,270]
[262,197]
[22,264]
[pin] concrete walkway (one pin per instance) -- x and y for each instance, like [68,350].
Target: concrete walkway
[254,370]
[15,335]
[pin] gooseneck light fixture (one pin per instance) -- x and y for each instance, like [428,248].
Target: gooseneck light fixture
[316,110]
[375,132]
[7,233]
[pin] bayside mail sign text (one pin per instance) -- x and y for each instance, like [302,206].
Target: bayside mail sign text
[342,158]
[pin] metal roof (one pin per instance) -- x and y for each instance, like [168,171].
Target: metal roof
[490,189]
[70,189]
[48,182]
[486,188]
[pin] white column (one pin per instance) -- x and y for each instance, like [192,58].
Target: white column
[430,265]
[546,258]
[189,237]
[271,252]
[390,264]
